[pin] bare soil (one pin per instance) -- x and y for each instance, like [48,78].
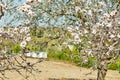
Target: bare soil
[56,70]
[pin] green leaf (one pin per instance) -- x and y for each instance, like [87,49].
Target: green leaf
[17,48]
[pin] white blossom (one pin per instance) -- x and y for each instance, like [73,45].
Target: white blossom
[113,12]
[39,0]
[70,47]
[77,9]
[77,40]
[30,13]
[19,54]
[118,22]
[28,39]
[94,31]
[90,53]
[89,42]
[11,35]
[76,37]
[74,34]
[112,36]
[23,44]
[69,29]
[109,24]
[28,34]
[1,30]
[25,30]
[100,10]
[85,59]
[29,0]
[89,12]
[4,51]
[106,14]
[88,2]
[118,35]
[27,21]
[26,6]
[98,24]
[1,41]
[84,10]
[65,43]
[85,31]
[111,48]
[102,3]
[15,29]
[22,30]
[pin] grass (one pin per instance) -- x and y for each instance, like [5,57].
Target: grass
[115,66]
[78,60]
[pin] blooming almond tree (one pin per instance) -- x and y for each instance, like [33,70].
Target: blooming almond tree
[19,36]
[99,34]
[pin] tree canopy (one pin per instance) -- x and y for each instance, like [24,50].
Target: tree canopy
[53,13]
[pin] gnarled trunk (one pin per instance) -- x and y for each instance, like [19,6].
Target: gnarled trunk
[101,74]
[102,70]
[1,10]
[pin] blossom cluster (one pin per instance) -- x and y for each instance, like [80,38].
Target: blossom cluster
[99,35]
[25,8]
[19,35]
[75,35]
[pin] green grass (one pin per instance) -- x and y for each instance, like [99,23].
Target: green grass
[57,55]
[115,66]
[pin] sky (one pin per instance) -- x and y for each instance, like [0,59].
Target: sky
[14,18]
[11,18]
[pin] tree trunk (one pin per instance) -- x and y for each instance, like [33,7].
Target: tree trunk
[1,10]
[101,74]
[102,70]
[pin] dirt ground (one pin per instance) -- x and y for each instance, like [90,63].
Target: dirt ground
[56,70]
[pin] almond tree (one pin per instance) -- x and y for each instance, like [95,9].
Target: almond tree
[99,34]
[20,36]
